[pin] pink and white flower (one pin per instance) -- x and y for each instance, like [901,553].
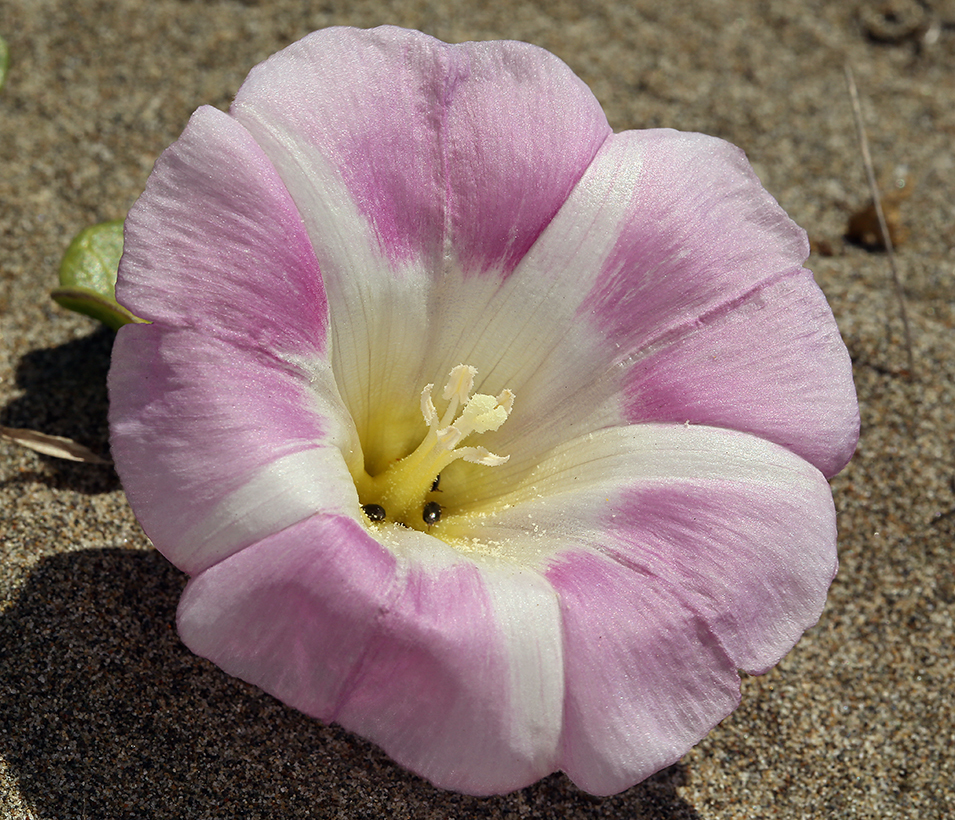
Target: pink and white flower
[396,259]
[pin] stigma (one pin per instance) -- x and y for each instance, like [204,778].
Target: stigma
[402,490]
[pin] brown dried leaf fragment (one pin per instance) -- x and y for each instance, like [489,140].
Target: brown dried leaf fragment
[56,446]
[863,227]
[822,246]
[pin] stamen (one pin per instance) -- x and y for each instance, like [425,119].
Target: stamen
[427,406]
[479,455]
[460,383]
[402,488]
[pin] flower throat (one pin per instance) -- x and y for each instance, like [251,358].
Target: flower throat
[401,493]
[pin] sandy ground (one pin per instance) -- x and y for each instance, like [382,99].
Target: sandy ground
[103,714]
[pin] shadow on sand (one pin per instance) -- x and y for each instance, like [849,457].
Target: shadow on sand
[106,715]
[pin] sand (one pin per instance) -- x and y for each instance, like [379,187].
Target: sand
[104,714]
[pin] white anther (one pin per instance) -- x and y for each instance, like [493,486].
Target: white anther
[480,455]
[460,383]
[506,400]
[449,437]
[427,407]
[481,414]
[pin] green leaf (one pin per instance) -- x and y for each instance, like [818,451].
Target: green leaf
[4,61]
[88,275]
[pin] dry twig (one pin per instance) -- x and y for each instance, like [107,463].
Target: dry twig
[883,227]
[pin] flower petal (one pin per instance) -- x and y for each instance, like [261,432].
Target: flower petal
[707,267]
[681,259]
[634,305]
[415,165]
[742,526]
[216,243]
[453,668]
[772,364]
[218,446]
[694,230]
[645,678]
[464,148]
[716,550]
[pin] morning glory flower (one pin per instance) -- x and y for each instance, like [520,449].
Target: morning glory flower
[493,436]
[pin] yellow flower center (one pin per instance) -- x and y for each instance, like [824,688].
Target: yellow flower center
[406,492]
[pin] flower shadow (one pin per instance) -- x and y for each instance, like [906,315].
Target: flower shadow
[107,715]
[64,394]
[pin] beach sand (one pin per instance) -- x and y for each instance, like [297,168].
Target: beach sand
[104,714]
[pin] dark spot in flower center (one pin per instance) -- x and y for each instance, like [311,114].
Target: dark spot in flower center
[432,512]
[375,512]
